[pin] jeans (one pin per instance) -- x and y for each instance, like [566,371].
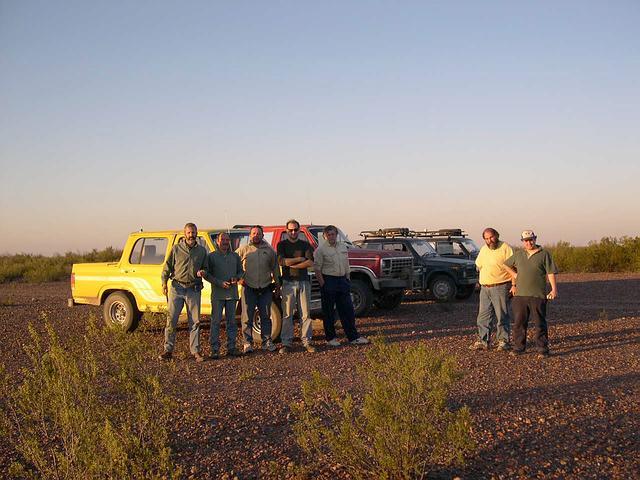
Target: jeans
[252,298]
[494,313]
[180,296]
[336,293]
[229,307]
[534,309]
[296,292]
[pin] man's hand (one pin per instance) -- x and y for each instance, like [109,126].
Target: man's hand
[512,290]
[164,290]
[552,295]
[242,282]
[226,284]
[200,273]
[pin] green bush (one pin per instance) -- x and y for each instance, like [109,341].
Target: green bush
[401,429]
[88,410]
[607,255]
[38,268]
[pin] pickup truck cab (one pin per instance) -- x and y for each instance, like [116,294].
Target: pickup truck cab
[377,277]
[133,285]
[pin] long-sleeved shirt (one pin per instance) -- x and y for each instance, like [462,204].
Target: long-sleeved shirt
[260,265]
[490,264]
[222,267]
[332,260]
[183,263]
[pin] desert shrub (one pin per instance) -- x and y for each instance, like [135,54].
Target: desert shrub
[401,429]
[39,268]
[607,255]
[87,410]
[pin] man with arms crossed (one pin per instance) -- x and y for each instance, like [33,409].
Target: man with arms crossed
[331,264]
[530,269]
[295,256]
[224,269]
[185,266]
[495,282]
[261,271]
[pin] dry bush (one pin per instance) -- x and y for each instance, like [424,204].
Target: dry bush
[88,410]
[402,428]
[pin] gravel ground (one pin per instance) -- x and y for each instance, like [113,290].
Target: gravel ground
[573,415]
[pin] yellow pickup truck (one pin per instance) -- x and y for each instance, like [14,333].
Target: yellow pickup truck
[133,285]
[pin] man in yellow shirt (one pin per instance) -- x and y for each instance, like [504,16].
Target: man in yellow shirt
[495,283]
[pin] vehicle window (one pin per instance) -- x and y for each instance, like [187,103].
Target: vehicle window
[371,245]
[446,248]
[301,236]
[268,237]
[470,245]
[316,232]
[422,248]
[239,239]
[148,251]
[396,247]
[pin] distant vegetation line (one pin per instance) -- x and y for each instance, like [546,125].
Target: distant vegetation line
[39,268]
[608,255]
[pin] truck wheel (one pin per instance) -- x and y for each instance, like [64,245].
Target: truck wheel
[120,311]
[465,292]
[361,296]
[276,324]
[389,301]
[443,288]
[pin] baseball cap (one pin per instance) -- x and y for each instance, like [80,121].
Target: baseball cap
[527,235]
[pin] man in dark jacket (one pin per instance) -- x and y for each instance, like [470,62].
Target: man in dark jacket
[185,266]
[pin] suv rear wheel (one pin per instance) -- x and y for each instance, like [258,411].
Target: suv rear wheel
[443,288]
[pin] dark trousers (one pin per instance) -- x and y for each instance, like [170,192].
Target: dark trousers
[336,294]
[523,310]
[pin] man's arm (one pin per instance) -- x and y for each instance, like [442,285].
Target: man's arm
[553,294]
[513,274]
[317,266]
[167,272]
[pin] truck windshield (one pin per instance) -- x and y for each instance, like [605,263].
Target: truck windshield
[316,232]
[470,245]
[423,248]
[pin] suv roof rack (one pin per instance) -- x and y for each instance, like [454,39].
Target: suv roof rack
[394,232]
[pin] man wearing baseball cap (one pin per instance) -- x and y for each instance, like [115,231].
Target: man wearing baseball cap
[530,269]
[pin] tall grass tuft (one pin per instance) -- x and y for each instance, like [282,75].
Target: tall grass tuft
[403,427]
[607,255]
[87,410]
[39,268]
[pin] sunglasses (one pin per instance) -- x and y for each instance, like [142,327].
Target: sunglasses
[292,230]
[529,240]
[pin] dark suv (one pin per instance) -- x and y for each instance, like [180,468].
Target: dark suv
[445,278]
[452,242]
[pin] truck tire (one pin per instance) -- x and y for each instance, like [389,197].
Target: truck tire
[120,311]
[390,300]
[361,296]
[465,292]
[276,324]
[443,288]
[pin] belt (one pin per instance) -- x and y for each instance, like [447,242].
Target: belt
[185,285]
[495,284]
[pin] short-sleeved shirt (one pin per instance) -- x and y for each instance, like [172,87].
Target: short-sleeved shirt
[532,272]
[490,264]
[289,249]
[332,261]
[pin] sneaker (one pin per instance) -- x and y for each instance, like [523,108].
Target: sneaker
[516,353]
[165,356]
[285,349]
[479,345]
[214,355]
[233,352]
[334,343]
[544,354]
[197,357]
[309,348]
[360,341]
[268,345]
[504,345]
[247,348]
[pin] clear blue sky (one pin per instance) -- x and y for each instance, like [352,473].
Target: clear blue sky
[121,115]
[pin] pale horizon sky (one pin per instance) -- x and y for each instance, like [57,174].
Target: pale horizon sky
[116,116]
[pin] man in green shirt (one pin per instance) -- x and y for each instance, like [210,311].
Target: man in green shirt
[530,269]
